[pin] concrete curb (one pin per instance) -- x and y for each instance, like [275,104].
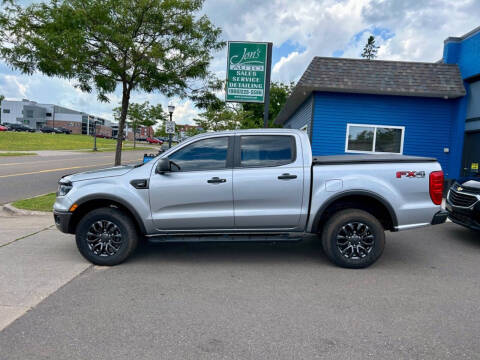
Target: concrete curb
[12,210]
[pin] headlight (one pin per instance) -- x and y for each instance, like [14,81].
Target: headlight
[64,188]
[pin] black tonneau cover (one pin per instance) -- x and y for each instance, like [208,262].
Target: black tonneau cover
[360,159]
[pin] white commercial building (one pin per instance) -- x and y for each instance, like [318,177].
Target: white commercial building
[36,116]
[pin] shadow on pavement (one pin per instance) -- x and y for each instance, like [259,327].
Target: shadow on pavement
[308,250]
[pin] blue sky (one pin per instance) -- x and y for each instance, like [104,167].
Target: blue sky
[410,30]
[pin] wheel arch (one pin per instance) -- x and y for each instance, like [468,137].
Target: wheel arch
[365,200]
[91,202]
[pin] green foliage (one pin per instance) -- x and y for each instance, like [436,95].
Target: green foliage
[279,94]
[142,114]
[370,49]
[160,132]
[227,116]
[149,45]
[193,131]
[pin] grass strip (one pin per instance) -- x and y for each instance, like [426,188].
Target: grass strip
[20,141]
[18,154]
[37,203]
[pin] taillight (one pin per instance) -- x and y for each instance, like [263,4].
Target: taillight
[436,187]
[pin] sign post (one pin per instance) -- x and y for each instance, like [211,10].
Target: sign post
[248,73]
[170,130]
[267,87]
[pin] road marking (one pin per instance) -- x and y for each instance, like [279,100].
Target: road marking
[60,169]
[42,161]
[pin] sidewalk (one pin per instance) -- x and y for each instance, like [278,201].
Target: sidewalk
[35,260]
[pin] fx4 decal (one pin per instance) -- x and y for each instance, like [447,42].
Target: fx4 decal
[410,174]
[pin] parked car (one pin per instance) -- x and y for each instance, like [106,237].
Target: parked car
[252,185]
[19,127]
[463,203]
[3,128]
[49,130]
[63,130]
[154,141]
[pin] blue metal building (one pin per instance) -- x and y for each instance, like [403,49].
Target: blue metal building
[411,108]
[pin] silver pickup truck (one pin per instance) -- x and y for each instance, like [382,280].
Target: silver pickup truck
[251,185]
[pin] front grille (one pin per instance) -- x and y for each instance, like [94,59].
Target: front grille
[459,199]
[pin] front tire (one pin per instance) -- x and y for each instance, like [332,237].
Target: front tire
[353,239]
[106,236]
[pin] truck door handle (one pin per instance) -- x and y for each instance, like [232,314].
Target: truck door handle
[216,180]
[287,176]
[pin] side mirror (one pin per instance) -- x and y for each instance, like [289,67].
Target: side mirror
[163,166]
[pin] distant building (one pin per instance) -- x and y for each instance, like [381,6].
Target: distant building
[36,116]
[24,112]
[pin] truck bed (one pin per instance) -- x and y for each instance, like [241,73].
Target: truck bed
[361,159]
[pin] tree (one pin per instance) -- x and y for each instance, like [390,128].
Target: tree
[160,132]
[226,118]
[370,49]
[137,114]
[279,93]
[220,115]
[141,115]
[147,45]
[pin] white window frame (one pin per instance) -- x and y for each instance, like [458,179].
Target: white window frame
[374,127]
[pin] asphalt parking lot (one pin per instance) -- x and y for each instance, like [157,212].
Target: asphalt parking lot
[263,301]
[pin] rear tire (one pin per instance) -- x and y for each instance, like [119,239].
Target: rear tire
[106,236]
[353,239]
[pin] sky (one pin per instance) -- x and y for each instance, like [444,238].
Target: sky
[407,30]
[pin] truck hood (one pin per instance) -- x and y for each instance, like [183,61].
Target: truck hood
[97,174]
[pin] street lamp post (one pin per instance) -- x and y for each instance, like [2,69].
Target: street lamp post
[171,108]
[95,135]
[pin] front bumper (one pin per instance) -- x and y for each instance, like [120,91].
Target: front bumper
[62,220]
[465,217]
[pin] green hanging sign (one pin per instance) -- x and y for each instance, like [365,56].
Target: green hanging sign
[246,71]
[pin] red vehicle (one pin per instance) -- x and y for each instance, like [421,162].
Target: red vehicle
[3,128]
[153,140]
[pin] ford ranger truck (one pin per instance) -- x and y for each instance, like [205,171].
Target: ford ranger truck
[251,185]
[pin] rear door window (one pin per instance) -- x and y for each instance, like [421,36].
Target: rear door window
[266,150]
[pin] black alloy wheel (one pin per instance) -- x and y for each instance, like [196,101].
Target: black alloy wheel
[353,238]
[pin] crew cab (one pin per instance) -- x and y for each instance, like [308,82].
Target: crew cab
[251,185]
